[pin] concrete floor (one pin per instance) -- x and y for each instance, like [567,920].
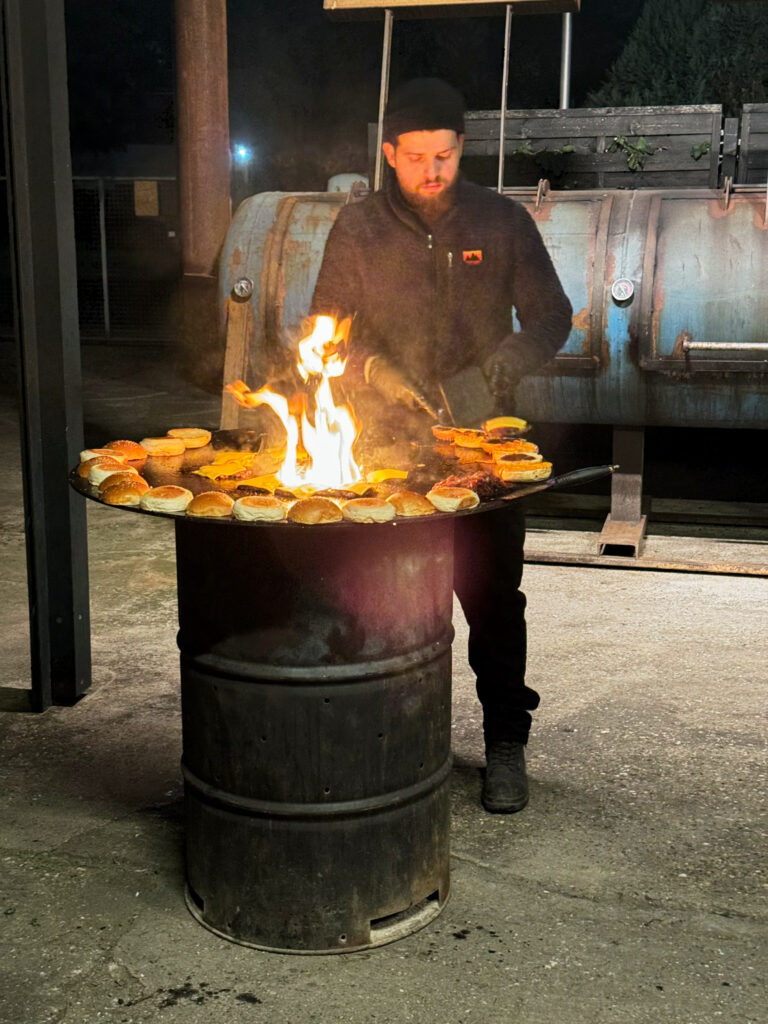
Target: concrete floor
[631,889]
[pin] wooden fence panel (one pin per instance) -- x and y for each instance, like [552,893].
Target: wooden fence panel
[753,153]
[572,147]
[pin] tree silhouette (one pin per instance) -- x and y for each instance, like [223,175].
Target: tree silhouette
[692,51]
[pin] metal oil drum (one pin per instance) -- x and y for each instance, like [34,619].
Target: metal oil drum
[316,715]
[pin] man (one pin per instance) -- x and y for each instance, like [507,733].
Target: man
[431,268]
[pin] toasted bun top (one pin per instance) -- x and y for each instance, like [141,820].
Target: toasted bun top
[453,499]
[523,471]
[107,461]
[314,510]
[210,503]
[368,510]
[443,432]
[169,491]
[409,503]
[131,450]
[468,438]
[498,446]
[472,454]
[264,507]
[124,493]
[163,445]
[94,453]
[261,501]
[193,437]
[124,476]
[166,498]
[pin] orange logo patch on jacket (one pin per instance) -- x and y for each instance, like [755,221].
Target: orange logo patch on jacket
[472,255]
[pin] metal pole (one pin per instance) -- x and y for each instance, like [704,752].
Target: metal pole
[45,292]
[565,62]
[203,130]
[386,58]
[503,104]
[103,255]
[205,204]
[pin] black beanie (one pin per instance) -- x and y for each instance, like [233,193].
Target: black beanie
[423,105]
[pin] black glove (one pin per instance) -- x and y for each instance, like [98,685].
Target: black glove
[501,373]
[393,386]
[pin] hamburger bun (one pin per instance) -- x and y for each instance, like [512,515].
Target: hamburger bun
[124,476]
[523,472]
[99,469]
[472,455]
[132,451]
[163,445]
[193,437]
[95,453]
[264,508]
[163,464]
[85,467]
[409,503]
[166,498]
[368,510]
[127,492]
[211,505]
[442,432]
[452,499]
[314,510]
[514,458]
[499,446]
[468,438]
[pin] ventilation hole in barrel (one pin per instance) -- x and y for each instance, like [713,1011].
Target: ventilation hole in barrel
[263,739]
[381,735]
[326,700]
[342,938]
[421,764]
[381,923]
[327,789]
[197,899]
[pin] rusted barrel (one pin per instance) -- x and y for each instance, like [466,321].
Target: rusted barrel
[316,712]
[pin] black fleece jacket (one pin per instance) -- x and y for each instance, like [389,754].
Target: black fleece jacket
[436,300]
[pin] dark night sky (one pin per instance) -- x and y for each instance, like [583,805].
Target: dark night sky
[304,85]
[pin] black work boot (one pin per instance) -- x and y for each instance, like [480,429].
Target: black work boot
[505,788]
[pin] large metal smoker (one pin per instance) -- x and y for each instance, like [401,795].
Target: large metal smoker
[671,302]
[668,287]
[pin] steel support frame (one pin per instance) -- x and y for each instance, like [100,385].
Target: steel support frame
[624,528]
[36,120]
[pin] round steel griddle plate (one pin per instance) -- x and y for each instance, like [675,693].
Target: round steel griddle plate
[179,470]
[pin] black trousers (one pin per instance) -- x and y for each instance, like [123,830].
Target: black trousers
[488,568]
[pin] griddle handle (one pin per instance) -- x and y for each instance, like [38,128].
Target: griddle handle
[581,476]
[577,476]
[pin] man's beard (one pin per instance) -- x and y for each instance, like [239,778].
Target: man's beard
[432,208]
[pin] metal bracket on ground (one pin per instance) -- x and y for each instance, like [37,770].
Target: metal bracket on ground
[618,534]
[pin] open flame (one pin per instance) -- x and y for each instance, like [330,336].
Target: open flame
[318,449]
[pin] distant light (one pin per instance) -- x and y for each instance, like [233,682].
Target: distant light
[243,154]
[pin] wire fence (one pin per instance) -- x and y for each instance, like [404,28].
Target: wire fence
[128,259]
